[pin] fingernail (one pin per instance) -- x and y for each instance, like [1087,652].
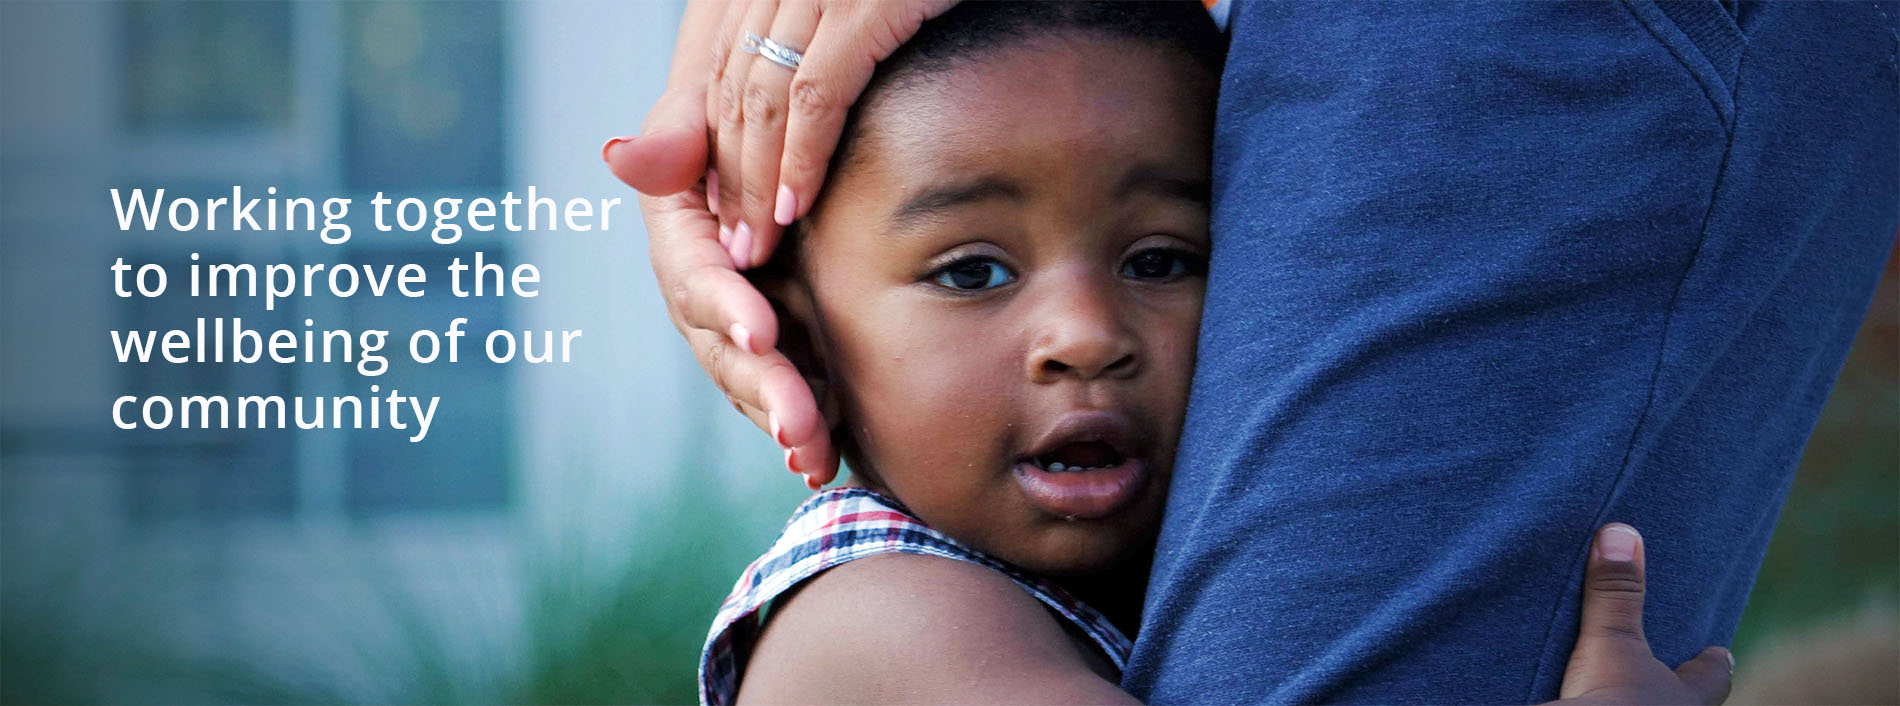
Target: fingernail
[778,433]
[787,207]
[725,238]
[812,483]
[743,337]
[1730,654]
[1619,543]
[790,464]
[712,190]
[741,248]
[610,145]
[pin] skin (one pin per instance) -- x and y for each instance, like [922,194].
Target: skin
[1080,194]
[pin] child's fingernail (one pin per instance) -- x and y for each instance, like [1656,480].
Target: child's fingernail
[741,247]
[712,191]
[790,463]
[812,482]
[743,337]
[778,434]
[725,238]
[787,207]
[1618,543]
[611,141]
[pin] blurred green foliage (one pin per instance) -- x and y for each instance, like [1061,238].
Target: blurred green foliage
[633,640]
[1837,544]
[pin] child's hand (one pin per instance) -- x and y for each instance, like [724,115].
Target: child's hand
[1611,663]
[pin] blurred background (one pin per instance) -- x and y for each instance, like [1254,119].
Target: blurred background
[566,531]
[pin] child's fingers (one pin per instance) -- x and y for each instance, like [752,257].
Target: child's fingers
[1612,662]
[1610,644]
[1709,675]
[1613,588]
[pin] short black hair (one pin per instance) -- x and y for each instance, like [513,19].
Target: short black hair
[971,28]
[974,28]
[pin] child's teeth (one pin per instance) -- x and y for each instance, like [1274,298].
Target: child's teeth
[1058,467]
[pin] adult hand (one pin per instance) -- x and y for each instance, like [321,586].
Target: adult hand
[1611,663]
[774,128]
[726,321]
[775,133]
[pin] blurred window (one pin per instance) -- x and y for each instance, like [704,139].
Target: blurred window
[207,65]
[218,473]
[424,95]
[462,463]
[414,93]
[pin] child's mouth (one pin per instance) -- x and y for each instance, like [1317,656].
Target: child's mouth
[1084,469]
[1080,456]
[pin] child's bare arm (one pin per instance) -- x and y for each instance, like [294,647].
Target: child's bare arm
[903,628]
[912,629]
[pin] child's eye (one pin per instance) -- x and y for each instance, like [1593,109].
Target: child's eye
[973,274]
[1163,263]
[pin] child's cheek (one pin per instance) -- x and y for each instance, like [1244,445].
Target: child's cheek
[1176,337]
[935,398]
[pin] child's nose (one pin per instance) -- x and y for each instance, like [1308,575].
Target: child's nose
[1082,335]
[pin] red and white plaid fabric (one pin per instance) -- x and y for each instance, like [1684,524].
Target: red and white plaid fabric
[839,525]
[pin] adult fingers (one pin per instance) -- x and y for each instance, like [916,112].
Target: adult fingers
[670,154]
[849,41]
[666,161]
[716,298]
[767,87]
[1709,675]
[771,392]
[760,390]
[817,462]
[721,52]
[695,275]
[728,150]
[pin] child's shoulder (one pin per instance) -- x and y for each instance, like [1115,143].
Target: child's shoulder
[858,597]
[896,627]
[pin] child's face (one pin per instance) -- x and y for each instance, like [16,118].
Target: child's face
[1005,287]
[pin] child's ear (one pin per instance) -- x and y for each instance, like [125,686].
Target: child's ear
[798,339]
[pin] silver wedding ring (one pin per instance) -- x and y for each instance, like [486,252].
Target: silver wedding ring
[772,51]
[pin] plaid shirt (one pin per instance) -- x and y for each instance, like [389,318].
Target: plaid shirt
[836,526]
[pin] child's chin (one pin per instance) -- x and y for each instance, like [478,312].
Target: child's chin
[1082,547]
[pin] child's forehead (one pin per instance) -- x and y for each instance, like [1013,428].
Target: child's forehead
[1074,91]
[1038,66]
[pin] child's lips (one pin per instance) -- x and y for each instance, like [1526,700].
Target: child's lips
[1112,449]
[1088,494]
